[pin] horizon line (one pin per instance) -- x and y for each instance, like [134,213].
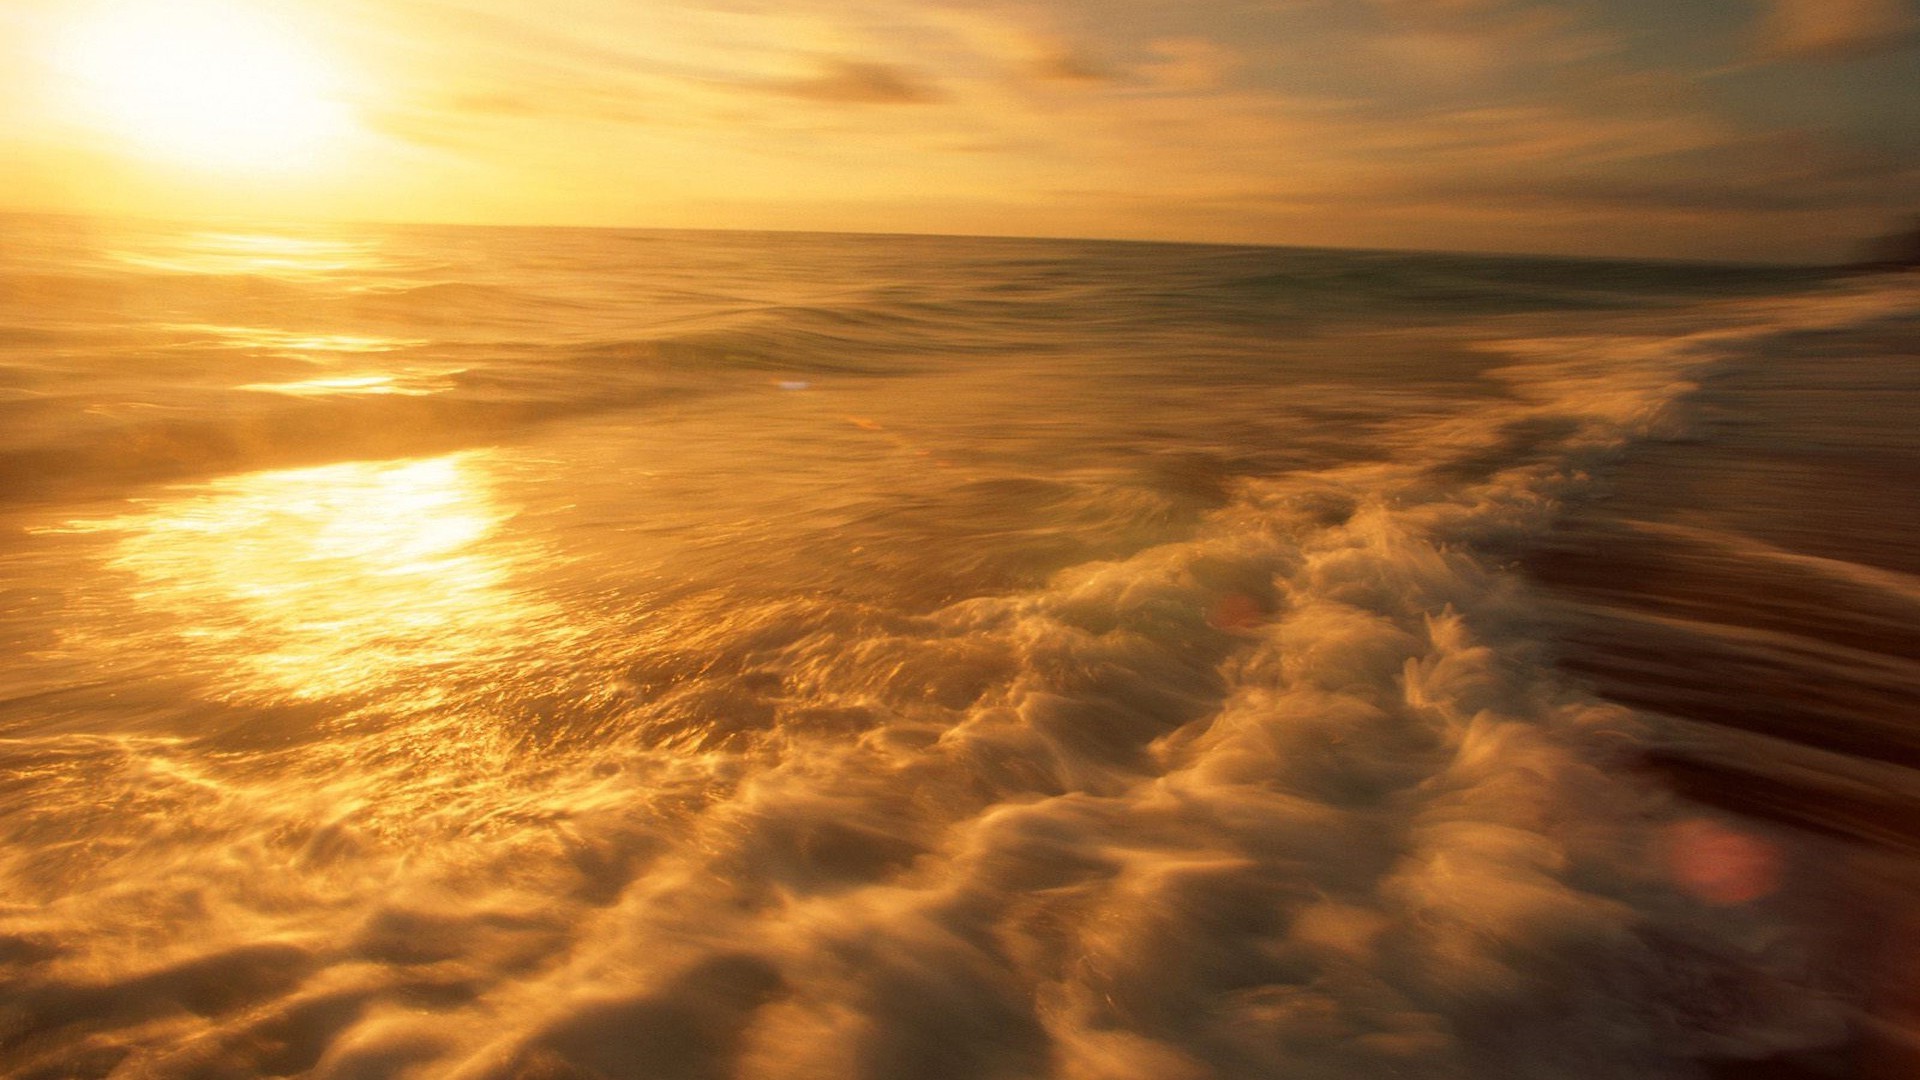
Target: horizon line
[295,221]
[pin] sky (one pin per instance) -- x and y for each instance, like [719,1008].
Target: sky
[1737,129]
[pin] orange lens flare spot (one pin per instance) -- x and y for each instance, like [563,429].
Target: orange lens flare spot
[1235,611]
[1720,864]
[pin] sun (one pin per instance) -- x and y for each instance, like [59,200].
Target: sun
[205,83]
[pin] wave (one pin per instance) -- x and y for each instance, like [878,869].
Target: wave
[1300,792]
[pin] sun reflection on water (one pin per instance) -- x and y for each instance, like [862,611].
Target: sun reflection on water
[342,579]
[328,351]
[399,385]
[289,342]
[266,254]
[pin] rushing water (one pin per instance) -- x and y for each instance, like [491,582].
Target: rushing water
[574,654]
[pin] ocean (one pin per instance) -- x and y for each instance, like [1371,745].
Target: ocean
[583,654]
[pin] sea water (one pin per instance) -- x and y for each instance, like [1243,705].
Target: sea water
[439,652]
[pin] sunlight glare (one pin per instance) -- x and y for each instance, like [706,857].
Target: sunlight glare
[371,383]
[204,83]
[258,254]
[304,583]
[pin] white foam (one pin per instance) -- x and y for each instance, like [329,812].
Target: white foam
[1353,826]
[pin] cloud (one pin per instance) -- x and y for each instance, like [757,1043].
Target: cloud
[1522,124]
[1730,196]
[860,82]
[1070,64]
[1189,63]
[1835,29]
[1435,12]
[606,104]
[1176,63]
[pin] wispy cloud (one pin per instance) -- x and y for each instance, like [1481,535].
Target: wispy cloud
[1835,29]
[862,82]
[1189,63]
[1071,64]
[1510,123]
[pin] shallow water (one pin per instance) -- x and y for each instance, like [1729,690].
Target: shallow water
[488,653]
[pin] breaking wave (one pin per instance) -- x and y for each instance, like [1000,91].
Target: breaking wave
[1292,787]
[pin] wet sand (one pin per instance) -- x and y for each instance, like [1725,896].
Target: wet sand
[1754,590]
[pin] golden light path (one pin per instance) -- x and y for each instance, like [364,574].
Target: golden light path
[342,579]
[204,82]
[291,343]
[371,383]
[262,254]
